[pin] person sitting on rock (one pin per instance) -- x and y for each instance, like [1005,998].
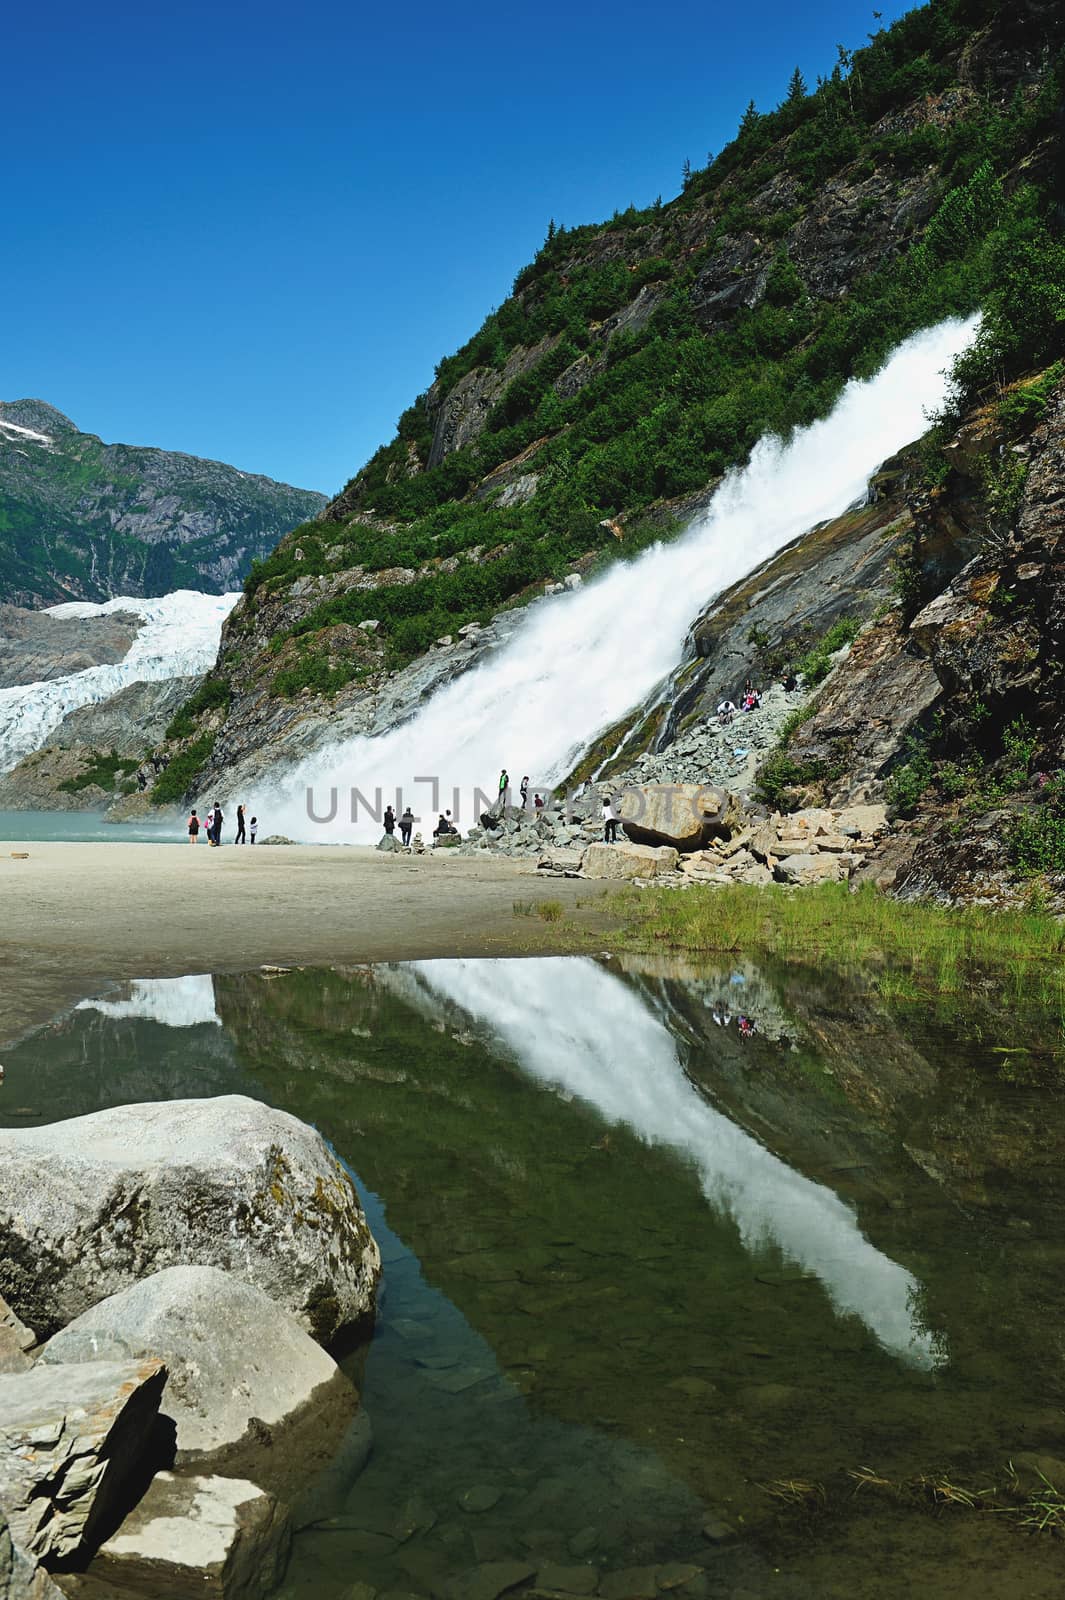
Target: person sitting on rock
[538,802]
[610,822]
[725,713]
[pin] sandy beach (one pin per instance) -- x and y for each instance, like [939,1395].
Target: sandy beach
[77,917]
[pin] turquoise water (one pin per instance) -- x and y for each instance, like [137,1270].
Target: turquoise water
[86,827]
[665,1309]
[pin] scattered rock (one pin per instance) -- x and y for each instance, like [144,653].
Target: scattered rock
[570,1580]
[90,1206]
[718,1532]
[277,838]
[628,860]
[220,1538]
[804,869]
[249,1391]
[72,1440]
[16,1340]
[488,1582]
[634,1583]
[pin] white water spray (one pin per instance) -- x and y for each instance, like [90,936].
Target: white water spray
[178,638]
[574,1026]
[579,663]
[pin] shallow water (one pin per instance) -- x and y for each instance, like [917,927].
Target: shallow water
[642,1274]
[86,827]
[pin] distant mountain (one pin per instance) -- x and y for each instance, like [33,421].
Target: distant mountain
[84,520]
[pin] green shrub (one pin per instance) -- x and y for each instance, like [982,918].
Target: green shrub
[174,783]
[816,664]
[214,694]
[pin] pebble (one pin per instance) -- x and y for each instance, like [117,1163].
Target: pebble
[490,1581]
[718,1532]
[570,1580]
[584,1542]
[634,1583]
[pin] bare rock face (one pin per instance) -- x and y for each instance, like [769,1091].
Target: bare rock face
[91,1206]
[249,1391]
[623,861]
[71,1439]
[220,1538]
[16,1342]
[678,814]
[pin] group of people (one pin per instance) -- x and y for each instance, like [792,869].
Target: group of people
[212,827]
[405,824]
[746,1025]
[750,700]
[523,790]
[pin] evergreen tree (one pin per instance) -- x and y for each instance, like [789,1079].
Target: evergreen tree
[551,231]
[686,173]
[797,90]
[750,119]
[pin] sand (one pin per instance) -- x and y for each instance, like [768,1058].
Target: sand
[75,918]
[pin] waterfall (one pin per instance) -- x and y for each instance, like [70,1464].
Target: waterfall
[177,638]
[572,1025]
[579,662]
[175,1002]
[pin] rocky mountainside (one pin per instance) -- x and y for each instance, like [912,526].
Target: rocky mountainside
[637,360]
[84,520]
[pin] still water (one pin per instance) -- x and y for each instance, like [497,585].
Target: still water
[87,827]
[668,1308]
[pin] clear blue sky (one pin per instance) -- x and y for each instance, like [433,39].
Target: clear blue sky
[250,231]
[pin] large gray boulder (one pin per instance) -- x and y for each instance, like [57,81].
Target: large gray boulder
[16,1341]
[624,861]
[249,1392]
[91,1206]
[72,1440]
[683,815]
[219,1538]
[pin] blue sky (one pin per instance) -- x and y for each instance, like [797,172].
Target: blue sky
[250,231]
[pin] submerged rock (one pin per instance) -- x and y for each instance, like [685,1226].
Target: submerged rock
[91,1206]
[72,1438]
[249,1391]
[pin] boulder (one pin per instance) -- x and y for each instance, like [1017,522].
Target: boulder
[20,1578]
[250,1393]
[16,1341]
[560,859]
[72,1441]
[808,869]
[628,860]
[220,1538]
[862,821]
[679,814]
[389,843]
[91,1206]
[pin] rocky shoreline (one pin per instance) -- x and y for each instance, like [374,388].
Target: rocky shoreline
[173,1276]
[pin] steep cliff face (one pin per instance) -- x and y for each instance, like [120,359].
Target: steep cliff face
[84,520]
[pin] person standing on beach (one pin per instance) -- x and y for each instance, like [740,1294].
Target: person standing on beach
[254,828]
[390,821]
[194,829]
[219,818]
[406,826]
[241,836]
[208,823]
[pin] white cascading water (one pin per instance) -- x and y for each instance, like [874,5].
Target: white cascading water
[175,1002]
[578,663]
[178,638]
[573,1025]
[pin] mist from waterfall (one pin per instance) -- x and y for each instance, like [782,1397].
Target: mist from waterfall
[573,1025]
[579,662]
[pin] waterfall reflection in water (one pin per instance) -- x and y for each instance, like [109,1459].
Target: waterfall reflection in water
[573,1025]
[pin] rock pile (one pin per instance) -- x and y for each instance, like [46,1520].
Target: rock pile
[186,1253]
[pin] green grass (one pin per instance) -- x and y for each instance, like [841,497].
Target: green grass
[938,947]
[172,785]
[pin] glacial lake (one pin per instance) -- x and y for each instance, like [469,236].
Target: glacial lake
[731,1315]
[87,827]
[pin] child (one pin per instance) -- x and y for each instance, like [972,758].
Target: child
[194,829]
[253,828]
